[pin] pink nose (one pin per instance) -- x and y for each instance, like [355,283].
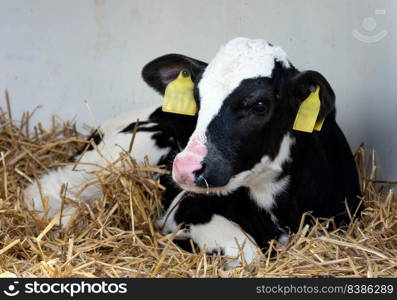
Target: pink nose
[184,167]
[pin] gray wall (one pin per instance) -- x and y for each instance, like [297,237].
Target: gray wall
[60,53]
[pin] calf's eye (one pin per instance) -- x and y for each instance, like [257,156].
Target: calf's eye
[259,107]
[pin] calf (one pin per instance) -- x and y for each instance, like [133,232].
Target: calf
[244,163]
[246,176]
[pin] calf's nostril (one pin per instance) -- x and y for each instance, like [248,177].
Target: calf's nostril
[199,177]
[199,173]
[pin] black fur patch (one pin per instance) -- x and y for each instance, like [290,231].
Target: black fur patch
[130,128]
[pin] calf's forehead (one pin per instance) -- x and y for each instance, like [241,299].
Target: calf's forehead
[239,59]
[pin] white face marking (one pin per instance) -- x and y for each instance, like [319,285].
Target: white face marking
[239,59]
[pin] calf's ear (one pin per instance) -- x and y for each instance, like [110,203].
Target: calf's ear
[161,71]
[303,83]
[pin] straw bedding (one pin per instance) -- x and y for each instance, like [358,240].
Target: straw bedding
[115,236]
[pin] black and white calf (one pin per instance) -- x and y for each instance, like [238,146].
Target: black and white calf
[245,176]
[244,163]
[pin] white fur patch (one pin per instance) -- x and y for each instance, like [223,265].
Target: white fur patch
[239,59]
[222,234]
[262,180]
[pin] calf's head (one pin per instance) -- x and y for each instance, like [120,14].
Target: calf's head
[248,97]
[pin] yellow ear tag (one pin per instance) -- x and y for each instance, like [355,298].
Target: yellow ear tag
[308,112]
[178,96]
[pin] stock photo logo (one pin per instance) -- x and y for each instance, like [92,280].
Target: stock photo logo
[369,24]
[64,288]
[12,290]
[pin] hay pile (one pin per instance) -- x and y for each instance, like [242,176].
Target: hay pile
[116,237]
